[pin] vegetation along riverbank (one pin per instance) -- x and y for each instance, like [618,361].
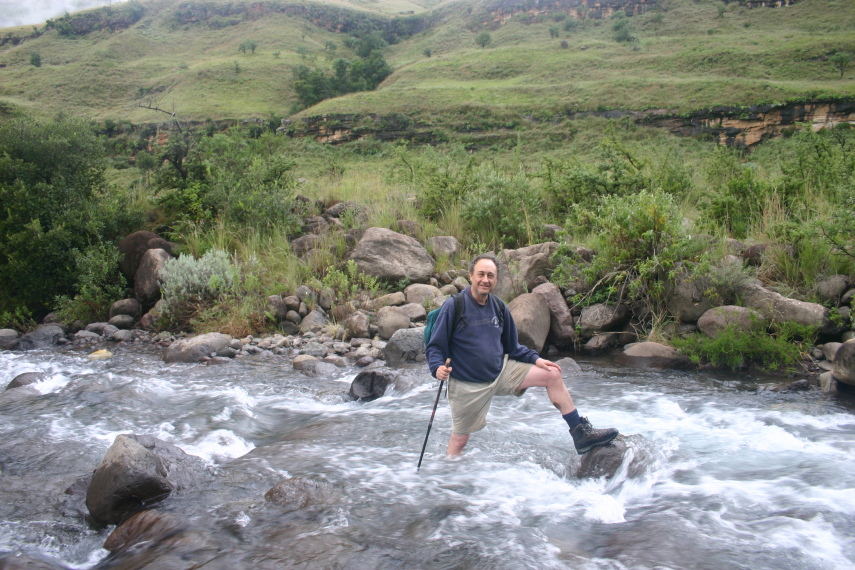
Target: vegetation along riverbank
[673,172]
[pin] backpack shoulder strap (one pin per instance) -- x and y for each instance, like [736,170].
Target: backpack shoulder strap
[459,310]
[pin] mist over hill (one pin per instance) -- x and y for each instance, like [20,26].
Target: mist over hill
[16,13]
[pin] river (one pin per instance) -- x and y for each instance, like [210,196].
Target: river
[733,477]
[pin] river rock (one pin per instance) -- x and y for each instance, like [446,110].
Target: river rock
[26,379]
[21,561]
[601,343]
[150,526]
[444,246]
[276,308]
[120,322]
[420,292]
[568,367]
[304,362]
[390,257]
[561,330]
[134,246]
[414,311]
[130,307]
[358,325]
[601,317]
[138,471]
[315,321]
[775,306]
[686,299]
[520,268]
[46,336]
[829,350]
[653,355]
[7,338]
[301,492]
[606,460]
[405,345]
[102,329]
[195,348]
[531,315]
[831,289]
[389,320]
[714,321]
[371,384]
[315,349]
[146,283]
[843,366]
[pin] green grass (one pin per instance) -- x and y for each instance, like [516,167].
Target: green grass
[750,56]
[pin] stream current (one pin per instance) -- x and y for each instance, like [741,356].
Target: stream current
[733,477]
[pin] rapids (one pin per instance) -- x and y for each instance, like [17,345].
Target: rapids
[734,478]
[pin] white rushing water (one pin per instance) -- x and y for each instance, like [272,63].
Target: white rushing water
[722,477]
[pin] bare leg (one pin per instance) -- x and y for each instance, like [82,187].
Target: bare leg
[556,390]
[456,444]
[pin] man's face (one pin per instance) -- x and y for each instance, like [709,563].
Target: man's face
[484,276]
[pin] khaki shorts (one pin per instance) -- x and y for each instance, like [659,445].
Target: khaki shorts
[470,401]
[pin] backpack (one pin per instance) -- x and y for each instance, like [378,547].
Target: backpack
[459,316]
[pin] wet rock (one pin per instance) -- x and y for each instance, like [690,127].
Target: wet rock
[7,338]
[138,471]
[600,343]
[607,460]
[531,315]
[568,367]
[124,335]
[653,355]
[195,348]
[300,492]
[100,355]
[46,336]
[371,384]
[121,322]
[145,526]
[405,345]
[26,379]
[315,349]
[304,362]
[129,307]
[802,385]
[20,561]
[843,366]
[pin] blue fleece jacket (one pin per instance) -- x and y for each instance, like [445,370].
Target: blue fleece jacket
[478,346]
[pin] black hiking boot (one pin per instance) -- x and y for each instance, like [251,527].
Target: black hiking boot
[585,436]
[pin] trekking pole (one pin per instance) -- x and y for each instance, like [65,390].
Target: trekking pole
[447,362]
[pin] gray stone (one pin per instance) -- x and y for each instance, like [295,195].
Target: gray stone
[304,362]
[276,309]
[371,384]
[531,315]
[326,299]
[829,349]
[7,338]
[391,257]
[136,472]
[419,292]
[775,306]
[130,307]
[714,321]
[654,355]
[601,317]
[146,279]
[87,335]
[519,268]
[444,246]
[314,321]
[831,289]
[606,460]
[123,335]
[389,320]
[45,336]
[194,349]
[133,248]
[843,366]
[414,311]
[26,379]
[561,330]
[405,345]
[600,343]
[103,329]
[299,493]
[391,300]
[686,299]
[357,325]
[315,349]
[122,322]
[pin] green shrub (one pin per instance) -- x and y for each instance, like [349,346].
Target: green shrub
[99,285]
[734,348]
[188,285]
[35,59]
[349,283]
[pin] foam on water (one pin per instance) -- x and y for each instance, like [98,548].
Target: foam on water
[218,446]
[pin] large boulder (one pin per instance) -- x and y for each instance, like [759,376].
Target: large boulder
[149,526]
[561,331]
[831,289]
[405,345]
[196,348]
[444,246]
[714,321]
[136,472]
[653,355]
[130,307]
[45,336]
[775,306]
[371,384]
[389,320]
[531,315]
[520,268]
[133,248]
[390,257]
[601,317]
[358,325]
[843,366]
[146,282]
[313,322]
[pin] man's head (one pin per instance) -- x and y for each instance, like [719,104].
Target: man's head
[483,274]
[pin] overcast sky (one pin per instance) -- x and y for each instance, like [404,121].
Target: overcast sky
[22,12]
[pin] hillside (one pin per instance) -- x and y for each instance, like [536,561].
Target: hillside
[682,55]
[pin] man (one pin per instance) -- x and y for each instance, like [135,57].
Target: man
[488,360]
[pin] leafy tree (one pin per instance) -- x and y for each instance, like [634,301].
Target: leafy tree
[35,59]
[427,52]
[483,39]
[553,32]
[621,27]
[721,8]
[55,202]
[841,61]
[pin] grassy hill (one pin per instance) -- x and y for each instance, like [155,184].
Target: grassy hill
[684,55]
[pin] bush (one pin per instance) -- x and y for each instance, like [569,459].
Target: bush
[35,59]
[735,348]
[99,285]
[188,284]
